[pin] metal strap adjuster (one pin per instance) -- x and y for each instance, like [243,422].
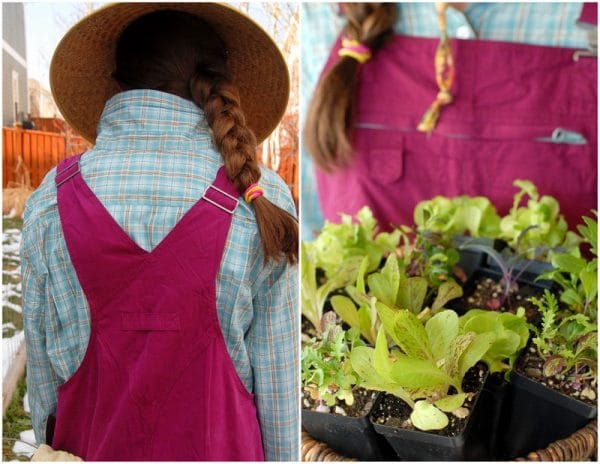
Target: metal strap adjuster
[218,205]
[66,170]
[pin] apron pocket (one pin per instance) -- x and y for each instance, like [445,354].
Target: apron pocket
[382,151]
[150,321]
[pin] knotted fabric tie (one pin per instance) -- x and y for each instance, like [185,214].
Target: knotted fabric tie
[354,49]
[253,192]
[444,74]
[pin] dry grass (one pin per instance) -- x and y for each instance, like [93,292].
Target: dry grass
[15,195]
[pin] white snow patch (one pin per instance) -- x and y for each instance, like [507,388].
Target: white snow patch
[14,307]
[26,445]
[26,406]
[10,346]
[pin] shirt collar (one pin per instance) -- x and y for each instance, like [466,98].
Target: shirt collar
[144,112]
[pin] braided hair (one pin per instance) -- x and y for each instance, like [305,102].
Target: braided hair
[188,59]
[331,111]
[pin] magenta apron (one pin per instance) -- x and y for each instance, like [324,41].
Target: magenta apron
[156,382]
[519,112]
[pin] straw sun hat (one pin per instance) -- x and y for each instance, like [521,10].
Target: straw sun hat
[80,73]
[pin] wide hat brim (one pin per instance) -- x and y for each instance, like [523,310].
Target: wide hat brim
[81,68]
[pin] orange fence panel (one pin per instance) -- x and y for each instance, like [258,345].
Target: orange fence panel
[40,151]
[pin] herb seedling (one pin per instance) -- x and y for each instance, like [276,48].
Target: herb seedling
[567,344]
[326,370]
[577,276]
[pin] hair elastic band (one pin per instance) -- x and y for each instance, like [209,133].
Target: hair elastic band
[354,49]
[253,192]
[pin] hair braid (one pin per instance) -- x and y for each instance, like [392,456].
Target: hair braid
[189,60]
[331,111]
[220,101]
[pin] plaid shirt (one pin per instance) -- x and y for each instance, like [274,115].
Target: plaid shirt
[551,24]
[152,160]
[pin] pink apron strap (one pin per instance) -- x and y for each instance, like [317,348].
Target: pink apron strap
[589,13]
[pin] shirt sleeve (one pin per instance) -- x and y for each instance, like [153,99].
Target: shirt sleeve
[42,381]
[273,350]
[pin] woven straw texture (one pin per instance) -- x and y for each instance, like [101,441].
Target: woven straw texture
[581,446]
[80,73]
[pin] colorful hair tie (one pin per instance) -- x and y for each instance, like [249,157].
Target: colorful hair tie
[354,49]
[253,192]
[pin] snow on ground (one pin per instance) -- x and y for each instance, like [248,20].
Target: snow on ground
[11,290]
[26,445]
[26,407]
[10,346]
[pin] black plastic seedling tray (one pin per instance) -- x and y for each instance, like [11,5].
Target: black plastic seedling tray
[353,437]
[536,415]
[473,443]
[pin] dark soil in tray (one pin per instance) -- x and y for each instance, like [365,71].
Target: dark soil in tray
[531,366]
[308,329]
[487,294]
[363,402]
[394,412]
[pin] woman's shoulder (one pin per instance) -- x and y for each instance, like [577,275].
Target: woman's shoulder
[41,204]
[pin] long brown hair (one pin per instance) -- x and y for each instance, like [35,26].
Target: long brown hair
[331,111]
[178,53]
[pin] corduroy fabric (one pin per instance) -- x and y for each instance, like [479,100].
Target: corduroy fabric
[508,100]
[156,382]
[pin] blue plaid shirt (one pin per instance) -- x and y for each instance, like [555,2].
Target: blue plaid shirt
[532,23]
[152,160]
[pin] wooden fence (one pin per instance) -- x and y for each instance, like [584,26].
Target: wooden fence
[40,151]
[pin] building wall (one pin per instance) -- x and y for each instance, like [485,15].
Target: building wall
[14,60]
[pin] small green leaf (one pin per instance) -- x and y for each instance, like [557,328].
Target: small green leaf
[381,355]
[411,294]
[441,330]
[568,263]
[406,330]
[426,416]
[384,285]
[447,291]
[589,280]
[554,365]
[571,297]
[475,352]
[417,373]
[451,402]
[361,359]
[345,308]
[360,279]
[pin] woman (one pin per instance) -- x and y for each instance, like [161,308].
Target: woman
[386,129]
[159,290]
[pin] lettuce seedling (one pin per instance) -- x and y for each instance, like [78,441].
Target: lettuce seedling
[458,215]
[510,335]
[326,370]
[313,295]
[547,227]
[338,242]
[339,251]
[433,357]
[392,287]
